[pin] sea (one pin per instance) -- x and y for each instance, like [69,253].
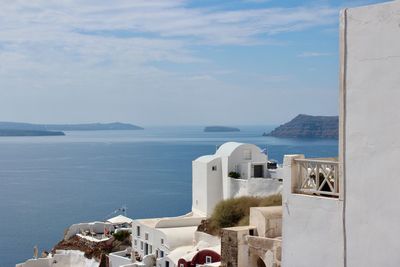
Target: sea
[49,183]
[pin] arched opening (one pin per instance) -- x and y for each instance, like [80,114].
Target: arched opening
[260,263]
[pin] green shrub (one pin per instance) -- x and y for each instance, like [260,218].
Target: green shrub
[121,235]
[236,211]
[234,175]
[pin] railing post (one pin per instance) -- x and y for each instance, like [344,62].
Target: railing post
[291,172]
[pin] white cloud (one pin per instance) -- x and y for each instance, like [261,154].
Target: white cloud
[102,54]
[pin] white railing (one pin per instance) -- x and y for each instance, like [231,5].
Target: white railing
[317,177]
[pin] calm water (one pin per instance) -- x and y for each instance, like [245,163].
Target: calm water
[48,183]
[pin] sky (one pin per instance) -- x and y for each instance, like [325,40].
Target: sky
[169,62]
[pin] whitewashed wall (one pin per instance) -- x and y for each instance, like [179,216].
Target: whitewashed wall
[206,186]
[312,229]
[62,259]
[371,146]
[254,187]
[117,259]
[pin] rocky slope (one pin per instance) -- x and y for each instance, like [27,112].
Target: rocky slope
[306,126]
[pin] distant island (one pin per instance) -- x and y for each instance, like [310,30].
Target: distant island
[11,132]
[221,129]
[307,126]
[30,129]
[69,127]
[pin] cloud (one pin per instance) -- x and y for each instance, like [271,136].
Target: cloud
[314,54]
[55,55]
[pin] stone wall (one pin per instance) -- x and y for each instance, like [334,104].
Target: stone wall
[229,248]
[267,250]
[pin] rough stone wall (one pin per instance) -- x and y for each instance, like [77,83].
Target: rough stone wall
[229,248]
[269,250]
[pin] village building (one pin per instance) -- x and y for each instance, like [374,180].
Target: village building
[235,170]
[342,211]
[336,211]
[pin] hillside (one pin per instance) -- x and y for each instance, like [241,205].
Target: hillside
[68,127]
[306,126]
[12,132]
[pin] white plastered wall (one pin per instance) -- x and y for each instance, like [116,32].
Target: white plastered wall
[207,186]
[371,134]
[312,229]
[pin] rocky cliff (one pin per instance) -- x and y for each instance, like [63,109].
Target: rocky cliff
[306,126]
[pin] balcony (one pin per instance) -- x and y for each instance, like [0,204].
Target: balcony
[317,177]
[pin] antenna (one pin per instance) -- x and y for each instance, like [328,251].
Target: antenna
[123,209]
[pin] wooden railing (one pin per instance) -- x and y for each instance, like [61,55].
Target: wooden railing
[317,177]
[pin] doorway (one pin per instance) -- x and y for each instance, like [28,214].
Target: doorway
[258,171]
[260,263]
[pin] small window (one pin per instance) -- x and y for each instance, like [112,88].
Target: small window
[251,232]
[161,254]
[138,231]
[214,168]
[208,259]
[135,242]
[151,249]
[162,241]
[247,154]
[146,236]
[141,245]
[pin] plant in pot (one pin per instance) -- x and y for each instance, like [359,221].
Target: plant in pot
[235,175]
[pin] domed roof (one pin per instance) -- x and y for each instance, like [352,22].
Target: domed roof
[227,148]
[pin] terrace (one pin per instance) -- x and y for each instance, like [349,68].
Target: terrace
[317,177]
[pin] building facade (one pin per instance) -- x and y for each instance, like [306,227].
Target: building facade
[235,170]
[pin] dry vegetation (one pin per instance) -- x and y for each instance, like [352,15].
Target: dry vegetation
[235,212]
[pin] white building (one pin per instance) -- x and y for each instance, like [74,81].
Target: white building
[62,258]
[160,236]
[349,216]
[212,182]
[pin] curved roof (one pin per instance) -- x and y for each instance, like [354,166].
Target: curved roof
[227,148]
[207,158]
[178,236]
[178,253]
[190,256]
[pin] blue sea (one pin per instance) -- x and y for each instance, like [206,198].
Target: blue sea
[49,183]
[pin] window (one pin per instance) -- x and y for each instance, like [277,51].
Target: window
[251,232]
[138,231]
[214,168]
[156,253]
[151,249]
[162,241]
[208,259]
[146,236]
[161,254]
[181,265]
[135,242]
[247,154]
[141,245]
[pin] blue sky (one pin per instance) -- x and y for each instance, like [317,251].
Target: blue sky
[170,62]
